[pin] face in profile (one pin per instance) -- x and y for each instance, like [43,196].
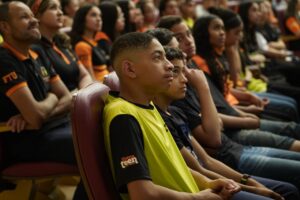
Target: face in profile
[93,20]
[22,24]
[177,88]
[153,71]
[185,39]
[216,33]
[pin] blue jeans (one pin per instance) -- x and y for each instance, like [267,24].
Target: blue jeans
[280,106]
[271,163]
[274,134]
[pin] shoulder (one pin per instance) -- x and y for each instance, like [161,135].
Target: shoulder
[82,48]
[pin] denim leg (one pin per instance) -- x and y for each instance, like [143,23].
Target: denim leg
[286,190]
[271,163]
[278,104]
[256,137]
[248,196]
[290,129]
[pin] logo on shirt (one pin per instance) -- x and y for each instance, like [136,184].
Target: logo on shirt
[9,77]
[128,161]
[44,72]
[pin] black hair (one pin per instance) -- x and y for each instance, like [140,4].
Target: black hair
[162,6]
[164,36]
[231,20]
[169,21]
[249,39]
[109,17]
[174,53]
[129,41]
[124,5]
[78,26]
[207,52]
[4,12]
[64,4]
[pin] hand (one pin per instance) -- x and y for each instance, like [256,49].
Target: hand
[258,101]
[268,193]
[252,109]
[17,123]
[221,184]
[208,194]
[196,78]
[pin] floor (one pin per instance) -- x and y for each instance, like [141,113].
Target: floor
[48,189]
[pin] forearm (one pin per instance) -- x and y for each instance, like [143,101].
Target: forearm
[210,120]
[239,122]
[234,60]
[63,106]
[85,78]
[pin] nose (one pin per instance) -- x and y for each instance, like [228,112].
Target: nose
[169,66]
[60,12]
[183,78]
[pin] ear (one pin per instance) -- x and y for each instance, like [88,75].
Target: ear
[128,69]
[4,27]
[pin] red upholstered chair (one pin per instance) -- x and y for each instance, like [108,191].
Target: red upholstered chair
[88,139]
[112,81]
[33,171]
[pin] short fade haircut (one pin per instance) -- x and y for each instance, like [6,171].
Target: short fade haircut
[174,53]
[4,13]
[163,35]
[129,41]
[169,21]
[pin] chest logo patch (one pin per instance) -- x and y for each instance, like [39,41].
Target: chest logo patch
[10,77]
[128,161]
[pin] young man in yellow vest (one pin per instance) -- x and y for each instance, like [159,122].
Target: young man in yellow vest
[145,162]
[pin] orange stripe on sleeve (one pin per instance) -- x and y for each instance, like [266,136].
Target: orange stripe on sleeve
[54,79]
[15,88]
[292,25]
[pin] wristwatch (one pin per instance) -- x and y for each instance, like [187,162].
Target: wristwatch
[245,178]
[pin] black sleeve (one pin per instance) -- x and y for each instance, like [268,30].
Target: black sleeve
[127,149]
[11,75]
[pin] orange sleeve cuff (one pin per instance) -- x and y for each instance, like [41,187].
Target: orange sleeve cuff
[54,79]
[15,88]
[293,25]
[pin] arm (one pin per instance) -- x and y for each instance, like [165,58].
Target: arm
[84,77]
[239,122]
[84,53]
[234,60]
[64,98]
[34,112]
[210,120]
[147,190]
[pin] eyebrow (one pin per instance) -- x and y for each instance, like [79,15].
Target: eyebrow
[158,51]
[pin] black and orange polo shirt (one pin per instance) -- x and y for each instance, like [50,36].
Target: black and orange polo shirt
[17,71]
[63,61]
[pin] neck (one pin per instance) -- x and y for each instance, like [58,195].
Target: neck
[47,33]
[20,46]
[134,95]
[162,102]
[89,34]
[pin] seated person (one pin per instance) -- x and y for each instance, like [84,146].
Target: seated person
[34,102]
[192,152]
[144,159]
[53,47]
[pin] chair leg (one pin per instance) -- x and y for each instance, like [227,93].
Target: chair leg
[33,190]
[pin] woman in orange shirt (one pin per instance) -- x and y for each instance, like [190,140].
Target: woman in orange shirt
[87,22]
[292,24]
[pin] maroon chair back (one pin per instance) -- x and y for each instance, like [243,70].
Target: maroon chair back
[88,139]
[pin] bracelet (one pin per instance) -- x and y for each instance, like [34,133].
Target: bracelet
[245,178]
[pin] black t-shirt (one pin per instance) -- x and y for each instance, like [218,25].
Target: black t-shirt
[131,136]
[178,126]
[65,65]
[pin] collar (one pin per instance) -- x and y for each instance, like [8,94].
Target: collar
[18,54]
[91,41]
